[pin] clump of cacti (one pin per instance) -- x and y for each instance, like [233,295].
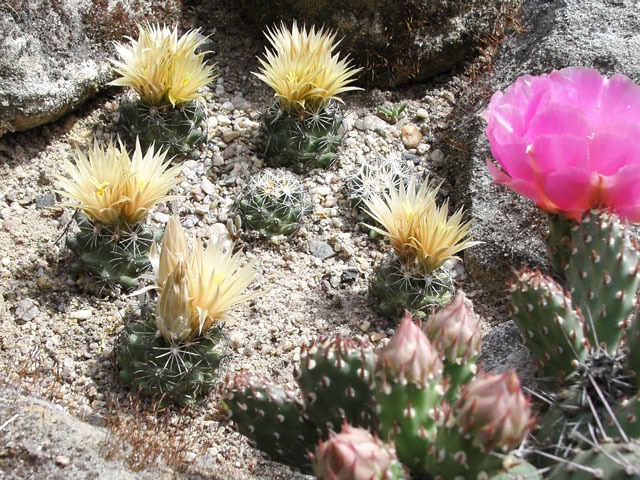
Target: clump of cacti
[172,352]
[274,203]
[422,401]
[167,76]
[423,238]
[115,192]
[304,126]
[583,335]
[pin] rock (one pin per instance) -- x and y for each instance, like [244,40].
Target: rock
[321,250]
[349,275]
[411,136]
[54,55]
[589,33]
[396,41]
[26,310]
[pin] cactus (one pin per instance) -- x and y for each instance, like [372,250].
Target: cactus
[167,76]
[273,418]
[115,193]
[355,454]
[423,238]
[400,286]
[181,129]
[375,179]
[173,351]
[613,461]
[335,378]
[274,203]
[111,254]
[402,401]
[172,373]
[304,127]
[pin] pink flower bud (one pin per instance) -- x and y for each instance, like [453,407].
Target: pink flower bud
[409,356]
[455,331]
[355,454]
[494,412]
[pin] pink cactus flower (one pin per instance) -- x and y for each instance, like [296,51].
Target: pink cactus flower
[569,141]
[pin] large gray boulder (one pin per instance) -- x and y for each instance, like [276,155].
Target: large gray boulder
[593,33]
[54,55]
[396,41]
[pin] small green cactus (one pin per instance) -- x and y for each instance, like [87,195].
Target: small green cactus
[181,129]
[392,114]
[304,127]
[111,254]
[401,286]
[167,76]
[171,373]
[610,461]
[274,203]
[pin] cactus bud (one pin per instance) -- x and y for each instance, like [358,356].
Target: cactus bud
[455,331]
[494,412]
[355,454]
[409,356]
[173,313]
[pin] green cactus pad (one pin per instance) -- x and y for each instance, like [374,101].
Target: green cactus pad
[400,287]
[274,203]
[611,461]
[336,378]
[114,255]
[180,129]
[550,326]
[632,349]
[302,140]
[559,243]
[274,418]
[181,373]
[603,276]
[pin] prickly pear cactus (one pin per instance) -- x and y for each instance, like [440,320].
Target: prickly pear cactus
[401,286]
[114,255]
[274,203]
[182,373]
[302,140]
[611,461]
[335,377]
[180,129]
[273,418]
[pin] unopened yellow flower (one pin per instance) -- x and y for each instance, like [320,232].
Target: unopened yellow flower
[162,67]
[215,282]
[437,238]
[303,69]
[113,189]
[398,210]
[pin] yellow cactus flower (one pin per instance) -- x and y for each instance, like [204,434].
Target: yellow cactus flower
[162,67]
[214,281]
[437,238]
[398,210]
[303,69]
[113,189]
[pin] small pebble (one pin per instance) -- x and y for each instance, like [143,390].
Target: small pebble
[62,461]
[411,136]
[81,314]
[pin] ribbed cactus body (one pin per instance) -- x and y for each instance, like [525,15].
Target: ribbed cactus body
[335,377]
[180,129]
[610,461]
[273,417]
[302,140]
[550,325]
[603,277]
[274,203]
[115,255]
[400,286]
[182,373]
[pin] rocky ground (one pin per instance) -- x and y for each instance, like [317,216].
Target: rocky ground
[58,332]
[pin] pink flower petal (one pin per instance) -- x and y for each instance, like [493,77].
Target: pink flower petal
[549,153]
[513,159]
[556,118]
[620,100]
[572,189]
[611,152]
[622,192]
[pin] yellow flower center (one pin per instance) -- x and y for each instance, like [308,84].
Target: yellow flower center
[101,188]
[292,77]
